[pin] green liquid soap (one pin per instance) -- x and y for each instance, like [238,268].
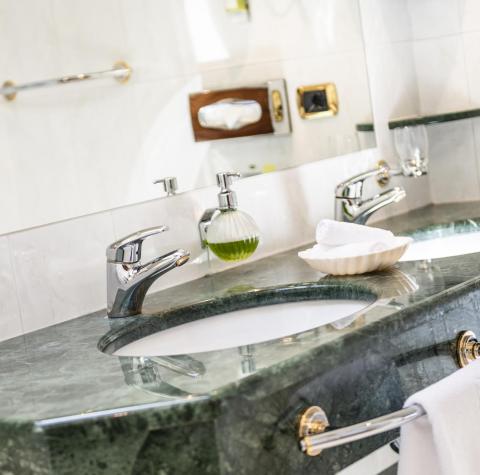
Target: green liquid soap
[236,250]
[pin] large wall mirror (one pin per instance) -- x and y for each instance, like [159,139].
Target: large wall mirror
[89,146]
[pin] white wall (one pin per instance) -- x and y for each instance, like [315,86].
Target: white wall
[84,148]
[423,58]
[447,57]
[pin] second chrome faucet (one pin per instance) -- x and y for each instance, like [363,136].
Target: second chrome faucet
[352,207]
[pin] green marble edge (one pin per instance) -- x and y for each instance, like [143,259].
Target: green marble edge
[423,120]
[366,127]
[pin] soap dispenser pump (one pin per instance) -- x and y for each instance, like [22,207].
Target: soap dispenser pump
[231,234]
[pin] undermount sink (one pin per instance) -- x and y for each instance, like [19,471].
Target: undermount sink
[244,327]
[443,246]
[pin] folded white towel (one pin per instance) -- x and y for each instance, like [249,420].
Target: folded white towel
[335,233]
[444,441]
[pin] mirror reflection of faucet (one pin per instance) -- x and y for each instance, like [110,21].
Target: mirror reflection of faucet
[352,207]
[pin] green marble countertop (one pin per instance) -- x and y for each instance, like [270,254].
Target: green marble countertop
[59,371]
[58,376]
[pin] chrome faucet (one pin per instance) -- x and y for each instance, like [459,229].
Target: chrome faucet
[350,206]
[127,280]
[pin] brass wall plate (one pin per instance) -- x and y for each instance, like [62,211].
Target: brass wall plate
[313,421]
[277,105]
[123,65]
[383,178]
[467,348]
[317,101]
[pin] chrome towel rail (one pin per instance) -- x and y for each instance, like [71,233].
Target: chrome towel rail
[313,423]
[121,72]
[314,420]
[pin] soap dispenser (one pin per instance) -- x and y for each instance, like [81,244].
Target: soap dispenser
[231,234]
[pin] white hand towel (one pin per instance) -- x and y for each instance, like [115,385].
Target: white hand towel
[445,441]
[334,233]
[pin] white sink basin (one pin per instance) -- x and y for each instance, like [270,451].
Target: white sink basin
[447,246]
[243,327]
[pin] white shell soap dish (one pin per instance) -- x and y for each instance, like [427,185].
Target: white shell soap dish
[358,258]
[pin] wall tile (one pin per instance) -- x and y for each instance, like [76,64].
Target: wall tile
[91,35]
[26,28]
[39,172]
[453,164]
[60,269]
[10,321]
[434,18]
[393,82]
[469,12]
[471,43]
[151,28]
[476,135]
[276,31]
[441,74]
[385,22]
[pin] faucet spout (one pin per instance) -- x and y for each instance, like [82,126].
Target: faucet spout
[159,266]
[350,206]
[133,282]
[128,280]
[360,212]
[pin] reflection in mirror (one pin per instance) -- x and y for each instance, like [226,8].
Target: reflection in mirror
[93,146]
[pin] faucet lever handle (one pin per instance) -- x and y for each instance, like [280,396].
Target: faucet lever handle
[128,250]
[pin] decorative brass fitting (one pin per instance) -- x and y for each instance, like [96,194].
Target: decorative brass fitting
[12,95]
[383,178]
[312,422]
[327,101]
[277,105]
[467,348]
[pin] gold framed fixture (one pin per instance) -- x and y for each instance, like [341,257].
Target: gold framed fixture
[317,101]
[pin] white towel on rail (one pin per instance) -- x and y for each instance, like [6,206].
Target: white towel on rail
[446,440]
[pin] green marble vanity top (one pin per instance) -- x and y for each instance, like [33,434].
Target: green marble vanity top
[59,376]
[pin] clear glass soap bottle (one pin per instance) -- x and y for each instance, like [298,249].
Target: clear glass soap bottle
[232,235]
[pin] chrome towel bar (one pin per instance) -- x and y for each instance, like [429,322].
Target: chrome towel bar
[121,72]
[313,424]
[314,420]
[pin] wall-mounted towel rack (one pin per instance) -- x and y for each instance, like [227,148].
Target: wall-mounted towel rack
[121,72]
[312,443]
[313,423]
